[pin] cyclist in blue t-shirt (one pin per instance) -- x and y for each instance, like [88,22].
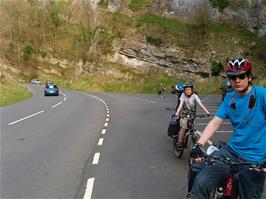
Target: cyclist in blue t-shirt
[245,107]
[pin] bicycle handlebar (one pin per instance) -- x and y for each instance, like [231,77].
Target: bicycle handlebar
[227,161]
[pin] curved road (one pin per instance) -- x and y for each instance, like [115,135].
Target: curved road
[82,145]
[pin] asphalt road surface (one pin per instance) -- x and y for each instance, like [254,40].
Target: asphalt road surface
[80,145]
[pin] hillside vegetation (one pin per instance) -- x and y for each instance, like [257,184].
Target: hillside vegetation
[34,31]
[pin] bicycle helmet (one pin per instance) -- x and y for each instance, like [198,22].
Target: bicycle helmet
[188,85]
[238,66]
[179,87]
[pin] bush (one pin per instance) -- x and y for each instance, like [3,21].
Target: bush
[216,68]
[154,41]
[221,4]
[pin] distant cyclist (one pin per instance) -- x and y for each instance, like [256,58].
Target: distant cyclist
[161,91]
[188,102]
[179,90]
[245,107]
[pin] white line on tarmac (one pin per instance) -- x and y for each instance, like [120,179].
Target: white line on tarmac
[106,124]
[209,142]
[205,98]
[107,119]
[96,158]
[224,131]
[108,115]
[103,131]
[57,104]
[89,188]
[100,142]
[205,123]
[11,123]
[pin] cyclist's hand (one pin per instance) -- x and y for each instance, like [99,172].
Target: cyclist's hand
[264,167]
[197,151]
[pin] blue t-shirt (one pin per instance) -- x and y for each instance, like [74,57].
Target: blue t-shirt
[248,138]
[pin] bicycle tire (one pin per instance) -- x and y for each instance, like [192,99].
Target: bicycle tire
[178,153]
[190,143]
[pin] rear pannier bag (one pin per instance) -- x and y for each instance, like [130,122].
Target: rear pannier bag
[173,127]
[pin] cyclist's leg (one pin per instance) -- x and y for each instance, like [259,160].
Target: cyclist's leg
[182,131]
[251,184]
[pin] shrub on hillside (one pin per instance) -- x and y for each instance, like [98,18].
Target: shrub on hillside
[221,4]
[154,41]
[216,68]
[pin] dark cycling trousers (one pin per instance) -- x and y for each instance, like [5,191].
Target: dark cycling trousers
[250,182]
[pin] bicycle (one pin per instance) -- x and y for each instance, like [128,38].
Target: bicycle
[227,189]
[190,136]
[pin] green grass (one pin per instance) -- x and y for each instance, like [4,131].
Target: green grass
[13,93]
[135,5]
[163,22]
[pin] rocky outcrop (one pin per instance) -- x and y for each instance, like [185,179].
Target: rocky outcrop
[147,58]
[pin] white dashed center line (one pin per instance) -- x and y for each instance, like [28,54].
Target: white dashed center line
[89,188]
[11,123]
[100,142]
[96,158]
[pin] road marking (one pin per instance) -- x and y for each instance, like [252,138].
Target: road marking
[106,124]
[107,119]
[89,188]
[209,142]
[11,123]
[205,98]
[57,104]
[100,142]
[107,112]
[103,131]
[224,131]
[205,123]
[107,115]
[96,158]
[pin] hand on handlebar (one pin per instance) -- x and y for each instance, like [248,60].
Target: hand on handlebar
[197,152]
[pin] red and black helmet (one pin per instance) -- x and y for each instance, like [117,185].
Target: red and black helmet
[238,67]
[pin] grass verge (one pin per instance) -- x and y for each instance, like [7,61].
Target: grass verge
[12,93]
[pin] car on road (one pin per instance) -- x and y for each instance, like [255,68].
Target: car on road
[51,89]
[36,81]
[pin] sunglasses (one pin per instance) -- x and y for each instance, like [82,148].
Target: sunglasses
[233,77]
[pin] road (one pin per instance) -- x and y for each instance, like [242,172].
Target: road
[100,145]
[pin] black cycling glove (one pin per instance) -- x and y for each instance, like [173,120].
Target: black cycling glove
[197,151]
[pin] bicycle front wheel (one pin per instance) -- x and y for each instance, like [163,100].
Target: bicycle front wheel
[190,143]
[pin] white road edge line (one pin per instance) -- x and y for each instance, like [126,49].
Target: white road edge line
[100,142]
[57,104]
[89,188]
[96,158]
[32,115]
[107,119]
[106,124]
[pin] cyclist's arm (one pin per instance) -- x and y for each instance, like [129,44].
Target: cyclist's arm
[179,107]
[203,107]
[209,131]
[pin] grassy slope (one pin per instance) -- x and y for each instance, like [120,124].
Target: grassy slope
[12,92]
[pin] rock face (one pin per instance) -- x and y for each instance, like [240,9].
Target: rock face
[147,58]
[251,13]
